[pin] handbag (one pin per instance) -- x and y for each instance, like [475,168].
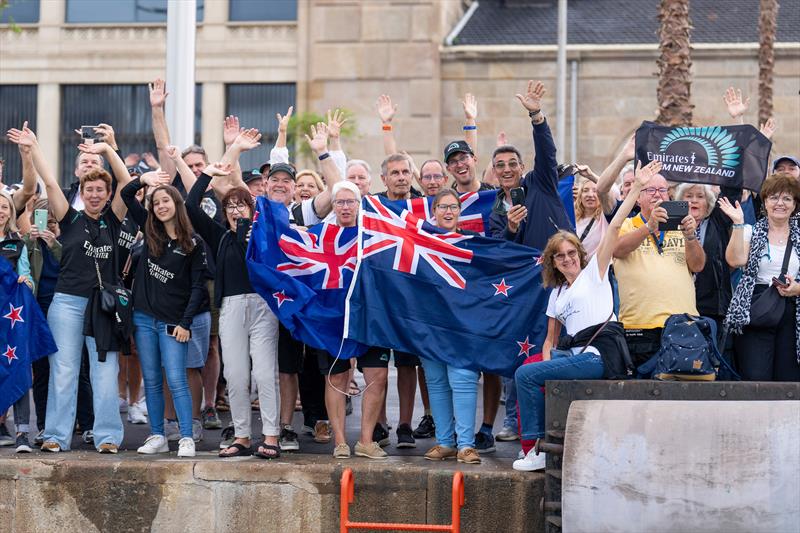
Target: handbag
[556,353]
[766,310]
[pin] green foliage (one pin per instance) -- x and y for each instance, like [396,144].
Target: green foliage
[3,6]
[300,125]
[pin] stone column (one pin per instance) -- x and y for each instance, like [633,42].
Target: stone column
[213,116]
[48,121]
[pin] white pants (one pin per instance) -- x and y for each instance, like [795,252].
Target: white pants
[248,331]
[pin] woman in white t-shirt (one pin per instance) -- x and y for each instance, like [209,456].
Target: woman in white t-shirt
[765,352]
[581,301]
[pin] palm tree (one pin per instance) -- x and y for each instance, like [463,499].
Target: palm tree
[674,64]
[767,28]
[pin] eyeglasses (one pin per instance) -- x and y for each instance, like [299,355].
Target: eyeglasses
[449,207]
[501,165]
[432,177]
[343,203]
[653,190]
[774,199]
[572,254]
[240,207]
[462,159]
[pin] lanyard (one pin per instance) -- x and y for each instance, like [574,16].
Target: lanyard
[658,241]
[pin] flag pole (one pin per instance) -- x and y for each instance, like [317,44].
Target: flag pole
[181,27]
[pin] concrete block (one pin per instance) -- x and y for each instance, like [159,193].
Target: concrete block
[382,22]
[423,101]
[424,23]
[415,134]
[267,507]
[341,23]
[186,507]
[7,502]
[346,62]
[412,60]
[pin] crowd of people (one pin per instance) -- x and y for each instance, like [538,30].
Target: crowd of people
[173,227]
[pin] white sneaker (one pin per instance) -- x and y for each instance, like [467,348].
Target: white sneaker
[154,444]
[507,434]
[123,405]
[197,430]
[142,405]
[135,415]
[171,430]
[186,447]
[531,462]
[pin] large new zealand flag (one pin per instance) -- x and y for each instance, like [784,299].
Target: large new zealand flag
[24,336]
[466,300]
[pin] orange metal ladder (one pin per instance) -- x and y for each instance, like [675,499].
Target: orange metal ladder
[346,498]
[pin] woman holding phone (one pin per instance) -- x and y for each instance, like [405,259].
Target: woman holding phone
[168,291]
[766,351]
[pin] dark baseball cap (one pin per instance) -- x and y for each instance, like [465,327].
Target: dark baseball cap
[456,147]
[264,169]
[784,158]
[283,167]
[250,175]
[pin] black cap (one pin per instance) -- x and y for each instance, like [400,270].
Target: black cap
[456,147]
[250,175]
[282,167]
[264,169]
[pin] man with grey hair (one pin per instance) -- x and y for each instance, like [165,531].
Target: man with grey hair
[359,172]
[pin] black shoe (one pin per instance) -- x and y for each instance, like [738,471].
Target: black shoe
[288,439]
[380,435]
[426,428]
[348,409]
[23,446]
[484,442]
[5,437]
[405,437]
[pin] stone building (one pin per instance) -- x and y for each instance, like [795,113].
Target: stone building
[86,61]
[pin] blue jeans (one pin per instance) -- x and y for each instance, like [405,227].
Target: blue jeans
[65,318]
[510,420]
[452,392]
[530,380]
[157,349]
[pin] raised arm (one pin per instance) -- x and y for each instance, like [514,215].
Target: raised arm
[118,169]
[545,165]
[611,172]
[607,246]
[55,196]
[158,98]
[208,228]
[245,141]
[736,106]
[737,251]
[470,105]
[279,152]
[187,176]
[386,111]
[318,141]
[22,196]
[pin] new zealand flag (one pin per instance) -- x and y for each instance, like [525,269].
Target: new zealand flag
[304,276]
[466,300]
[24,336]
[475,210]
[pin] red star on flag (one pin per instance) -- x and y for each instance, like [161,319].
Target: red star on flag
[14,315]
[525,347]
[11,353]
[539,260]
[281,297]
[501,288]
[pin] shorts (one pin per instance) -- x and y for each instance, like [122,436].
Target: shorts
[372,358]
[405,359]
[290,352]
[198,343]
[214,309]
[643,344]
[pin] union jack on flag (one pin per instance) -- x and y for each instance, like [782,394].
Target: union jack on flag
[331,252]
[412,239]
[475,210]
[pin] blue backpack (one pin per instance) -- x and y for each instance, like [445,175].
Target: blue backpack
[688,351]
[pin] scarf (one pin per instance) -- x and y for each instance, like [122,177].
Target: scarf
[739,310]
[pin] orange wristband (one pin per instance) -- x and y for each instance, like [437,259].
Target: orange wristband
[387,127]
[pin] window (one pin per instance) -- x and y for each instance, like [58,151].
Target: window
[20,12]
[243,10]
[17,104]
[125,107]
[256,106]
[125,11]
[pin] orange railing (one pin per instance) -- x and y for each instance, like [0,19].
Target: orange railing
[346,498]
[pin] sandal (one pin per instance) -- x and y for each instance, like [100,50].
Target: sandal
[240,450]
[222,403]
[353,389]
[268,451]
[255,405]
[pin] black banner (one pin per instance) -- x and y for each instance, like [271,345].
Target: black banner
[730,156]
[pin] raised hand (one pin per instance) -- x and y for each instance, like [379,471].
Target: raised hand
[335,122]
[642,176]
[470,104]
[106,135]
[318,141]
[283,120]
[173,152]
[24,137]
[733,100]
[217,169]
[230,129]
[629,150]
[768,128]
[158,93]
[386,109]
[733,212]
[248,139]
[586,172]
[97,147]
[150,160]
[502,139]
[154,178]
[532,99]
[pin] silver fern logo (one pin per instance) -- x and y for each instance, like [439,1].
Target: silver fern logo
[719,145]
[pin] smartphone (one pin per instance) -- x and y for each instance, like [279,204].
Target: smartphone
[171,330]
[242,227]
[517,196]
[780,281]
[676,211]
[40,219]
[88,134]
